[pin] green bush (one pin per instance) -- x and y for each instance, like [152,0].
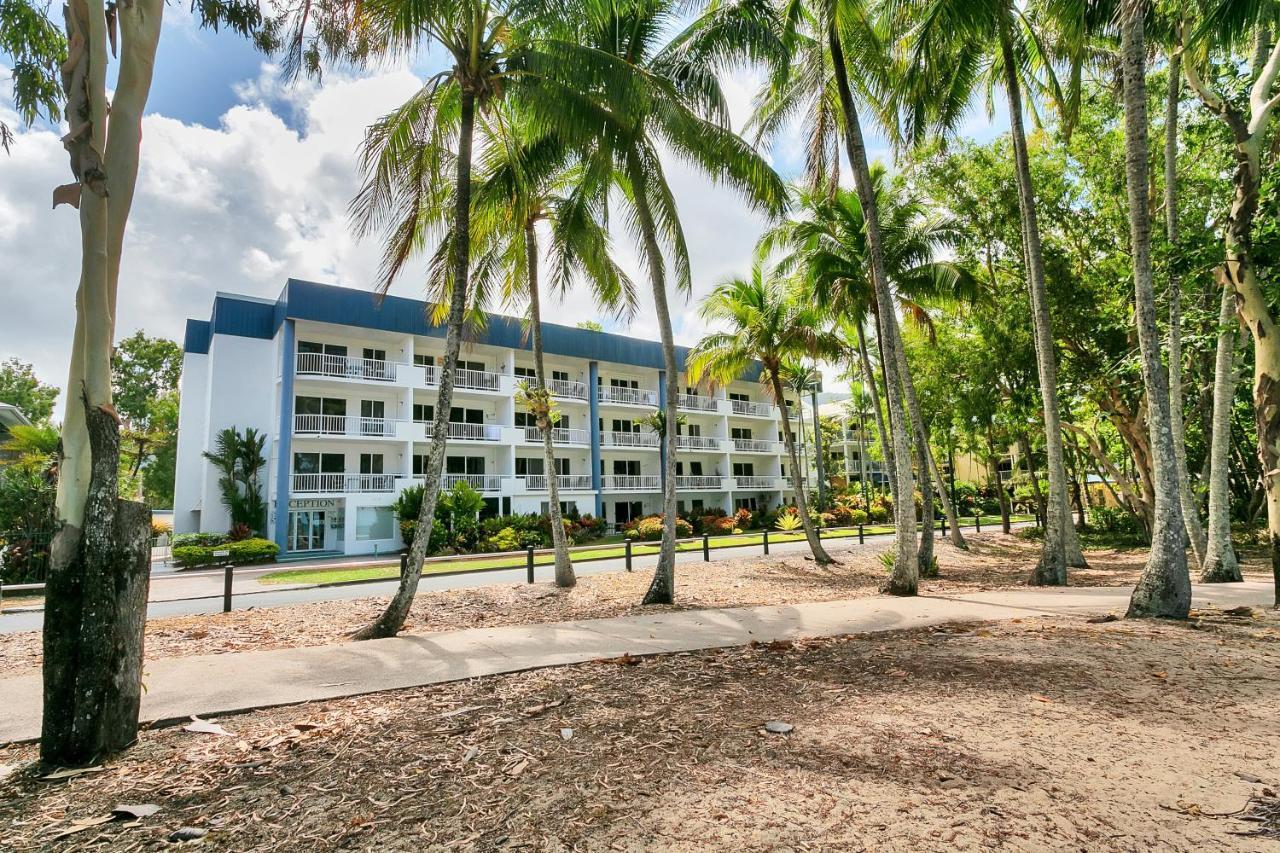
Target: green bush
[1111,519]
[649,529]
[203,540]
[240,553]
[857,516]
[506,539]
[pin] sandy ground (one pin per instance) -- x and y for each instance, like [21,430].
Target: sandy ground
[994,561]
[1039,734]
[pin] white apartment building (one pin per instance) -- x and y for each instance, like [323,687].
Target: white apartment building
[344,386]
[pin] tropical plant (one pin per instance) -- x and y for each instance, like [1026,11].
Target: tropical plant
[239,460]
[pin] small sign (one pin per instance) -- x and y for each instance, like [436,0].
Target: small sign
[222,553]
[313,503]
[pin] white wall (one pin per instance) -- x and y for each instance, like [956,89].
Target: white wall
[190,465]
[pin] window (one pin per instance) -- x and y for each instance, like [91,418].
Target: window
[695,469]
[626,468]
[327,349]
[470,365]
[373,409]
[697,506]
[459,415]
[526,419]
[624,383]
[566,507]
[694,429]
[526,467]
[419,464]
[370,463]
[624,425]
[464,465]
[744,469]
[783,469]
[375,522]
[744,503]
[740,432]
[420,360]
[374,354]
[320,406]
[624,511]
[560,375]
[424,413]
[526,372]
[745,398]
[319,463]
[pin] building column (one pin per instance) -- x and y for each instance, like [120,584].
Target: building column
[593,413]
[284,437]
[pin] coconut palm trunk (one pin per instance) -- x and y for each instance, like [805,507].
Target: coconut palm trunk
[662,590]
[1001,496]
[905,578]
[948,505]
[392,619]
[1164,588]
[886,444]
[1220,564]
[564,567]
[1052,567]
[1190,512]
[820,554]
[923,455]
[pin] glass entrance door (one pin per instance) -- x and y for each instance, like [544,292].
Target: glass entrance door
[306,530]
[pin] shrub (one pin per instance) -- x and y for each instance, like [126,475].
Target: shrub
[239,532]
[743,518]
[858,516]
[203,540]
[160,526]
[788,521]
[506,539]
[649,528]
[1111,519]
[718,525]
[239,553]
[879,509]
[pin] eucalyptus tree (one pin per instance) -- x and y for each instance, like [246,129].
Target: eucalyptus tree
[764,320]
[964,45]
[679,110]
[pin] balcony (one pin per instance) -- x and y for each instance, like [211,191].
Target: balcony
[695,483]
[559,435]
[343,483]
[757,482]
[476,380]
[479,482]
[567,389]
[344,367]
[631,483]
[628,396]
[697,442]
[697,403]
[351,425]
[565,482]
[630,439]
[467,432]
[751,409]
[754,445]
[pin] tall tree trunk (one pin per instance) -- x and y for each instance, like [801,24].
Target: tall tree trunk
[904,579]
[564,568]
[820,554]
[1190,511]
[1164,589]
[100,562]
[1042,507]
[923,458]
[1052,568]
[886,442]
[391,621]
[662,590]
[948,506]
[1220,564]
[1002,496]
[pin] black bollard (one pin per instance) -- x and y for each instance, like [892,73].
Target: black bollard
[706,548]
[766,541]
[862,535]
[628,541]
[529,562]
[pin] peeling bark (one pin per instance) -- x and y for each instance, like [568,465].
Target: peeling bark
[1220,564]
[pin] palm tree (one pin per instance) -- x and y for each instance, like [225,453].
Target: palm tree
[680,107]
[765,323]
[1164,589]
[526,182]
[954,41]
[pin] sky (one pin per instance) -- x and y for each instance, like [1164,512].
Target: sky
[245,180]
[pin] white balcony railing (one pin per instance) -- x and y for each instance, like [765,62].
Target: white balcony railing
[567,388]
[343,483]
[755,445]
[758,482]
[477,380]
[699,482]
[559,435]
[630,439]
[568,482]
[344,367]
[470,432]
[631,482]
[629,396]
[344,425]
[697,402]
[747,407]
[479,482]
[697,442]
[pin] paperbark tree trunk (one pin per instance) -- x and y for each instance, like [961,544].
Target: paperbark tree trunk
[392,620]
[1220,564]
[1052,568]
[1164,588]
[904,579]
[820,555]
[100,563]
[662,590]
[564,567]
[1190,511]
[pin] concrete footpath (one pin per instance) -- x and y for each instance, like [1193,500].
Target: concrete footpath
[177,688]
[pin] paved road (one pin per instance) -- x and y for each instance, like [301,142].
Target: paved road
[212,684]
[201,592]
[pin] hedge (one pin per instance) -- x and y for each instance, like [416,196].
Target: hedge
[239,553]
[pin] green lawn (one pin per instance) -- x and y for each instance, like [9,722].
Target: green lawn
[605,551]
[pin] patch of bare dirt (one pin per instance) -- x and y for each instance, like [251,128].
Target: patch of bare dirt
[1034,734]
[994,561]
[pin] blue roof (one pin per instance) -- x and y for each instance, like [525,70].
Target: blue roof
[247,316]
